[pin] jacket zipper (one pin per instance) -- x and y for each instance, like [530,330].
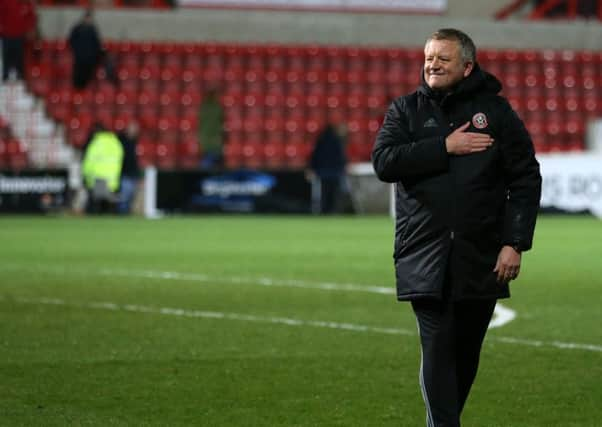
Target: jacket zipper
[453,185]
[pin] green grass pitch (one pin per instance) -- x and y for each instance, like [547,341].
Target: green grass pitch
[272,321]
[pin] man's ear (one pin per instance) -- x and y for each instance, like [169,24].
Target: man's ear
[468,68]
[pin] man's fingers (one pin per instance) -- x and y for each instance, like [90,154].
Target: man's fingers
[507,274]
[478,142]
[507,265]
[479,147]
[467,142]
[479,137]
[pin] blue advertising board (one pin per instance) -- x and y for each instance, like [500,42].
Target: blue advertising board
[241,191]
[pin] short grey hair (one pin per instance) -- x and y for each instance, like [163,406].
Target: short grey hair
[467,46]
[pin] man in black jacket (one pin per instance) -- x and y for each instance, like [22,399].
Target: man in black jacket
[327,164]
[130,170]
[467,193]
[86,46]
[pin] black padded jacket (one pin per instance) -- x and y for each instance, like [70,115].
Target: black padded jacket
[454,213]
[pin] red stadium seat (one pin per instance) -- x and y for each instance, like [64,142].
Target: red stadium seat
[16,154]
[233,122]
[148,116]
[313,127]
[78,129]
[296,153]
[275,57]
[188,127]
[166,155]
[126,97]
[233,154]
[104,115]
[188,153]
[3,155]
[167,129]
[274,155]
[275,100]
[145,151]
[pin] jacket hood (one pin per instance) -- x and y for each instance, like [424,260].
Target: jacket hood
[478,80]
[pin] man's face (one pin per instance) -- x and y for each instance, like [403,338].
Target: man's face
[443,64]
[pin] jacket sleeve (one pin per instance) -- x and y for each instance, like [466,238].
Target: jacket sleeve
[523,181]
[397,155]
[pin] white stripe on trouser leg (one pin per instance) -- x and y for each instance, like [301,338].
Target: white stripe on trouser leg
[429,415]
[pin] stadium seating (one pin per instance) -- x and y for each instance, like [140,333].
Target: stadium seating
[13,154]
[278,97]
[30,138]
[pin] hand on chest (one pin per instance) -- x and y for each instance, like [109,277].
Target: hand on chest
[435,122]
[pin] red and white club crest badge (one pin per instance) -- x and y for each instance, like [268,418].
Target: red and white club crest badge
[479,121]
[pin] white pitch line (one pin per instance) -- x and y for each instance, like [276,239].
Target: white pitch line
[263,281]
[502,315]
[180,312]
[354,327]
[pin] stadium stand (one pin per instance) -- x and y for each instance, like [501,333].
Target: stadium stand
[277,97]
[12,152]
[29,137]
[552,9]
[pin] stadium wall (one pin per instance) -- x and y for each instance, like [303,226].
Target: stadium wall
[322,28]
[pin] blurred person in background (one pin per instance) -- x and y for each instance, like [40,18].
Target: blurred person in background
[130,171]
[101,170]
[17,26]
[467,188]
[327,167]
[211,129]
[86,47]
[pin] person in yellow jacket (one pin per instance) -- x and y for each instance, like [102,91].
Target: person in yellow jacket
[101,170]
